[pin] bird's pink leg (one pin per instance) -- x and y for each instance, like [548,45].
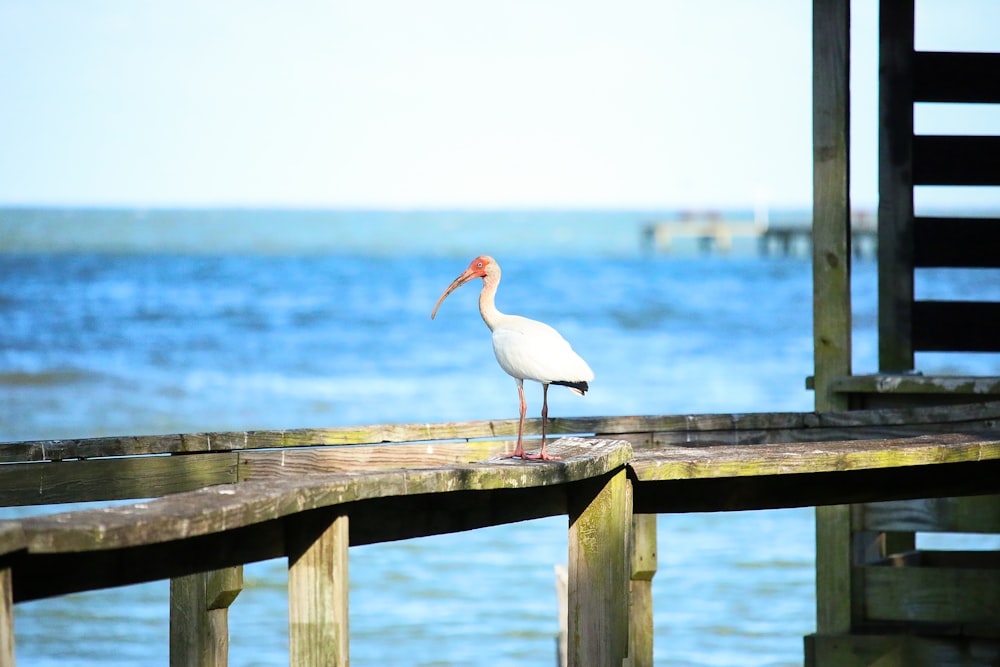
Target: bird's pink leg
[543,455]
[519,450]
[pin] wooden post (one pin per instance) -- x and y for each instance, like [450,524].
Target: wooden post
[643,566]
[6,617]
[831,198]
[832,282]
[895,191]
[199,616]
[318,590]
[562,583]
[600,520]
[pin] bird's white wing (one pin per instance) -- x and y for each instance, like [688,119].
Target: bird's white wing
[533,350]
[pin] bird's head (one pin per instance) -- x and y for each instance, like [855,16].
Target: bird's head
[480,267]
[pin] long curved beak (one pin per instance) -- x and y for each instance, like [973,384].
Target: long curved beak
[458,282]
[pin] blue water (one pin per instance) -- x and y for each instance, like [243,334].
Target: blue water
[130,341]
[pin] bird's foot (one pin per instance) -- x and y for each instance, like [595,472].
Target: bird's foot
[542,456]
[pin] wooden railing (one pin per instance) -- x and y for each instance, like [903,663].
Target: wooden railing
[213,502]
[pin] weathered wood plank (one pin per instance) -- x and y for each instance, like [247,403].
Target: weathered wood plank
[318,590]
[12,537]
[978,386]
[57,450]
[831,197]
[562,594]
[600,520]
[643,568]
[42,575]
[798,458]
[273,463]
[112,479]
[973,514]
[199,612]
[725,494]
[895,650]
[6,616]
[225,507]
[833,569]
[951,595]
[218,443]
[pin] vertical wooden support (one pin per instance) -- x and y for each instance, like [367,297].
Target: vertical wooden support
[318,590]
[832,282]
[6,617]
[562,585]
[643,566]
[600,523]
[199,616]
[895,172]
[831,197]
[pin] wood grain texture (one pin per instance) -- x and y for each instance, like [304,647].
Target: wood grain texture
[600,521]
[125,478]
[487,434]
[6,617]
[199,622]
[973,514]
[643,555]
[967,598]
[222,508]
[831,197]
[318,590]
[670,463]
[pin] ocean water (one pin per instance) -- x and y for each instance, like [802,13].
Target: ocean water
[182,324]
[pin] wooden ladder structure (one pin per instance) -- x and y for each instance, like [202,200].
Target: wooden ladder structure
[880,600]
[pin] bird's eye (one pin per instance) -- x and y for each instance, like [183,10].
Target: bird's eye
[479,265]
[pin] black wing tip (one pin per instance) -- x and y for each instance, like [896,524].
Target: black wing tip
[581,387]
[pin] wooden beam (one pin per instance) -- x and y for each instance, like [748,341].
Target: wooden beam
[895,173]
[190,443]
[415,453]
[900,650]
[973,514]
[726,494]
[971,78]
[600,521]
[831,198]
[199,613]
[676,463]
[643,567]
[6,616]
[956,326]
[977,386]
[126,478]
[318,590]
[964,596]
[956,160]
[956,242]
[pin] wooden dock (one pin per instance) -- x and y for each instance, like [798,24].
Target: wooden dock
[226,499]
[718,234]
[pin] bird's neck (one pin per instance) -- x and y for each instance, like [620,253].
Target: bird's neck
[487,302]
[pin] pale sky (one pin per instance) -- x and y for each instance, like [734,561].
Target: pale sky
[438,103]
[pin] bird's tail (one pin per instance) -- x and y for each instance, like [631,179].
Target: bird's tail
[579,387]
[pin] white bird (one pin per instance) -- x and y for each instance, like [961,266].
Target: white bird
[526,349]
